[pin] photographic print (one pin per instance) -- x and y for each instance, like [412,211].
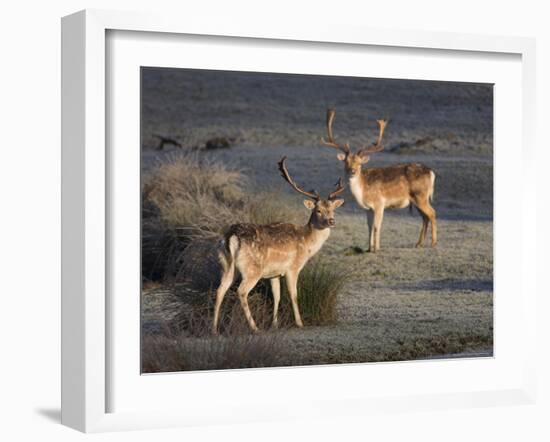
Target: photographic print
[292,220]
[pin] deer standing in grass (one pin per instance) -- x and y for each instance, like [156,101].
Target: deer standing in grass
[274,250]
[380,188]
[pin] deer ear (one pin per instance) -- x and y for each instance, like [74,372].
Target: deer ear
[337,203]
[341,156]
[309,204]
[365,159]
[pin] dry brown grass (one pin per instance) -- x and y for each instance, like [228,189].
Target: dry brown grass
[184,199]
[186,341]
[166,354]
[184,193]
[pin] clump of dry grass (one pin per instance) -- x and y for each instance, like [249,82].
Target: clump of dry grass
[319,285]
[184,199]
[204,198]
[185,193]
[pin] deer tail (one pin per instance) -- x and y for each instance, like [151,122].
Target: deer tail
[230,246]
[432,187]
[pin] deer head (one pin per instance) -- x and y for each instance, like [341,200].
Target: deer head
[353,161]
[322,210]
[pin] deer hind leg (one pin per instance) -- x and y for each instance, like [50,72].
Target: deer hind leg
[245,286]
[227,278]
[370,223]
[423,230]
[378,217]
[276,290]
[291,281]
[428,211]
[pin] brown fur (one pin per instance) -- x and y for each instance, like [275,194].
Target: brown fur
[264,235]
[391,187]
[409,172]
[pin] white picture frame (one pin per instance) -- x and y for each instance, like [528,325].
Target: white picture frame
[86,208]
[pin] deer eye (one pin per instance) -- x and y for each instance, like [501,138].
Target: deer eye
[318,211]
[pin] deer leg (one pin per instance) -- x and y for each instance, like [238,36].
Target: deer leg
[276,290]
[370,223]
[226,281]
[423,230]
[378,216]
[291,281]
[245,286]
[429,212]
[433,220]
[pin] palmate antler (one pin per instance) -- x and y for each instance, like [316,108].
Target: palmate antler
[284,173]
[331,113]
[378,146]
[313,194]
[339,189]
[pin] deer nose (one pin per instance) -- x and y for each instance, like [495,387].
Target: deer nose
[331,222]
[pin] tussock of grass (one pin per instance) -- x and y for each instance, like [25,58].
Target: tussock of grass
[184,199]
[319,285]
[185,193]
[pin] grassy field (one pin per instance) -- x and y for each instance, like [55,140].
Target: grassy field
[399,304]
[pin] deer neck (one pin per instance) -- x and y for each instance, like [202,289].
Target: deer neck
[314,238]
[357,187]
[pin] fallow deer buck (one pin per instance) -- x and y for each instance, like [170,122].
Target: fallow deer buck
[380,188]
[274,250]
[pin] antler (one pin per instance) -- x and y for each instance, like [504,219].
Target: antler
[339,189]
[378,146]
[331,143]
[284,173]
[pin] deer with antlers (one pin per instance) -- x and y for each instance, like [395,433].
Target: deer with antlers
[274,250]
[392,187]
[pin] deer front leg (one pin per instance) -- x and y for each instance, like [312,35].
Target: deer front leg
[243,290]
[378,216]
[370,223]
[291,281]
[276,290]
